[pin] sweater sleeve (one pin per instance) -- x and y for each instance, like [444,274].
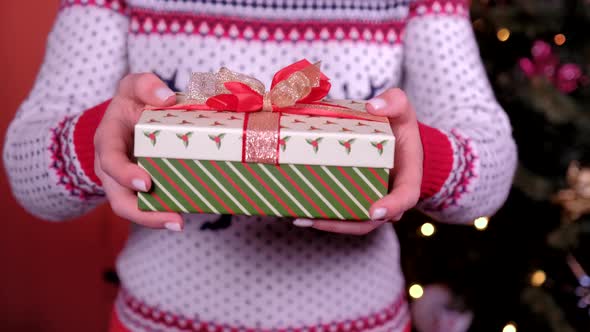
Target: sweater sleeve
[470,155]
[48,151]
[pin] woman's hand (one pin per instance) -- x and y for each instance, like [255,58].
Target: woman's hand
[113,142]
[406,174]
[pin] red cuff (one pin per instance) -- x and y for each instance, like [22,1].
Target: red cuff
[438,160]
[84,138]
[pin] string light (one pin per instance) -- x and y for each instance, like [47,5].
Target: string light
[538,278]
[427,229]
[481,223]
[559,39]
[510,327]
[503,34]
[416,291]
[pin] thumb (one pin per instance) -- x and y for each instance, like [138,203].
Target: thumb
[146,89]
[392,103]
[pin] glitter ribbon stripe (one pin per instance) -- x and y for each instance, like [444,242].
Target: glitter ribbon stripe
[261,138]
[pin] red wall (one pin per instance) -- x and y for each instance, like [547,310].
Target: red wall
[51,277]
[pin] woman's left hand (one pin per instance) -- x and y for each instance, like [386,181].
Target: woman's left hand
[406,174]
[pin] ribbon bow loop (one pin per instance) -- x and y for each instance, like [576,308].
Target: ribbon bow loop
[306,75]
[241,98]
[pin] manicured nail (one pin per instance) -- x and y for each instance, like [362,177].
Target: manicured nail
[398,217]
[377,103]
[164,93]
[173,226]
[139,184]
[303,222]
[379,214]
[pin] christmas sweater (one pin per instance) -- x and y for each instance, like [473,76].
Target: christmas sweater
[262,273]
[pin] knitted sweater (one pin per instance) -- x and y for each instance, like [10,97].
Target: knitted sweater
[263,273]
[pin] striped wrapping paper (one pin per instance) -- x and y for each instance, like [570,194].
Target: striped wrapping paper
[288,190]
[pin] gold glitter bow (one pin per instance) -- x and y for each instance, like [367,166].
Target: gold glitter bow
[229,90]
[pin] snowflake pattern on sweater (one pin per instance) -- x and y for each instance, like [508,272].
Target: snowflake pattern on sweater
[262,273]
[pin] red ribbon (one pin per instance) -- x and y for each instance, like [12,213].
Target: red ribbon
[244,99]
[261,122]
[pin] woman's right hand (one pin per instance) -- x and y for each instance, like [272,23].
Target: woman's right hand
[113,143]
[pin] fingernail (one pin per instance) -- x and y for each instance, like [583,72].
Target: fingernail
[303,222]
[379,214]
[398,217]
[164,93]
[377,103]
[173,226]
[139,184]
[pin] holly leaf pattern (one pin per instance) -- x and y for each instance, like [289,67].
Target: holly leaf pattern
[185,138]
[315,143]
[152,136]
[379,146]
[217,140]
[283,142]
[347,144]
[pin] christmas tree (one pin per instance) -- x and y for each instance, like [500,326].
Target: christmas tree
[525,268]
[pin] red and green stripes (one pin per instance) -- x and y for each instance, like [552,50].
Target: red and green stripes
[260,189]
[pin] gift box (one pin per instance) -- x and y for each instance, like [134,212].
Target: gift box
[229,147]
